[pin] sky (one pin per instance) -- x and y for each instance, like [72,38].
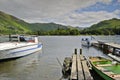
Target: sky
[80,13]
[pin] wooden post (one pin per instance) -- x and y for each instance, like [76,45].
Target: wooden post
[75,51]
[80,51]
[105,49]
[113,51]
[9,37]
[100,45]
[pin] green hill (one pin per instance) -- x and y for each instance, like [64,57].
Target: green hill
[112,23]
[10,24]
[106,27]
[46,26]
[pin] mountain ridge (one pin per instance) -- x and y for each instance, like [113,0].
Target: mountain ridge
[105,27]
[10,24]
[13,25]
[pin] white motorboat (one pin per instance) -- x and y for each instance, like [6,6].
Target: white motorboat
[19,46]
[87,41]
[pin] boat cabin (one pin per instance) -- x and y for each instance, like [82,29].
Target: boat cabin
[21,38]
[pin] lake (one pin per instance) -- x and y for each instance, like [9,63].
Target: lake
[43,65]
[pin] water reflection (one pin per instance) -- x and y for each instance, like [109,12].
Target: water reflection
[18,68]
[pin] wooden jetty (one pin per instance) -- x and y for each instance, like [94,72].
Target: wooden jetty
[111,49]
[107,47]
[80,70]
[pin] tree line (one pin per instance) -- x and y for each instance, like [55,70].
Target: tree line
[103,31]
[70,31]
[59,31]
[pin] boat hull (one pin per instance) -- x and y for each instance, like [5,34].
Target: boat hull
[85,44]
[19,51]
[104,76]
[106,68]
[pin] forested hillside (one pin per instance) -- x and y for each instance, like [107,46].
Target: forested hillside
[106,27]
[12,25]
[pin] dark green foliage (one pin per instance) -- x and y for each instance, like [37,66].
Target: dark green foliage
[10,24]
[59,31]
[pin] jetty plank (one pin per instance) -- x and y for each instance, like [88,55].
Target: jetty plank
[86,71]
[74,68]
[113,45]
[114,57]
[82,58]
[106,43]
[111,49]
[79,67]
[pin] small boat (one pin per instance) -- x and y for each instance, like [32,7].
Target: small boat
[106,68]
[86,42]
[19,46]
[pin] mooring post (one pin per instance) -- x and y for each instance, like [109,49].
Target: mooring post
[105,49]
[80,51]
[75,51]
[113,50]
[9,37]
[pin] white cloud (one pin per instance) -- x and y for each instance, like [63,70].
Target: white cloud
[59,11]
[86,19]
[117,12]
[118,0]
[106,1]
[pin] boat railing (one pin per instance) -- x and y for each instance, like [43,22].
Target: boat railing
[21,38]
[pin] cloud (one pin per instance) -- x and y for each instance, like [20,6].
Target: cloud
[117,12]
[59,11]
[118,0]
[85,19]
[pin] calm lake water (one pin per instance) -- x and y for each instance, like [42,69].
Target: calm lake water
[43,65]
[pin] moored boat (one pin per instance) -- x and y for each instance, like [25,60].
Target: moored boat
[86,42]
[19,46]
[107,69]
